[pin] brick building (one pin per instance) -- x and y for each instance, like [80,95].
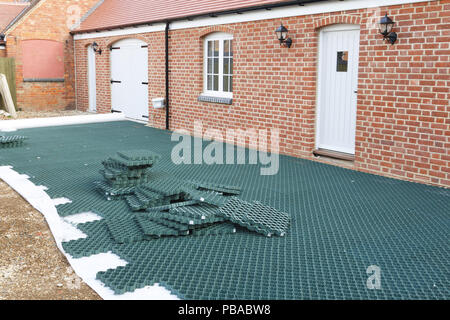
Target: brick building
[36,34]
[341,90]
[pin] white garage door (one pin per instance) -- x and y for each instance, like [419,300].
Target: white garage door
[129,78]
[338,83]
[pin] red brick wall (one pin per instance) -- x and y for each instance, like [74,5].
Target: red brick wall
[403,125]
[48,21]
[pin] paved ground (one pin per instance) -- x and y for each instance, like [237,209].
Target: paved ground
[43,114]
[31,266]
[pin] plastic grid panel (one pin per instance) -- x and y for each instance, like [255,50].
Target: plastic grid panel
[152,228]
[256,217]
[343,221]
[11,141]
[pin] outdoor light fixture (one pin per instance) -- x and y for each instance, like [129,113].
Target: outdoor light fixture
[96,48]
[282,35]
[386,25]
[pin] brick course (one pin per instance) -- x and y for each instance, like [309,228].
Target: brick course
[403,126]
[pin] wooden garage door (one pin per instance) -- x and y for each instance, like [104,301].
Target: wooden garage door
[129,78]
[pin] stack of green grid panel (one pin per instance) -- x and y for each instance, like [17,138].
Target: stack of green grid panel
[168,206]
[167,190]
[11,141]
[125,171]
[191,205]
[158,191]
[178,222]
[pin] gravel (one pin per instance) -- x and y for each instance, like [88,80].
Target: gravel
[43,114]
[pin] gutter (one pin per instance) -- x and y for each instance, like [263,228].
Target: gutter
[75,69]
[203,15]
[167,75]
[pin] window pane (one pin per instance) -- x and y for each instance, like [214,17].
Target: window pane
[210,65]
[226,47]
[210,48]
[226,86]
[231,84]
[210,82]
[216,83]
[216,48]
[216,65]
[226,66]
[342,61]
[231,66]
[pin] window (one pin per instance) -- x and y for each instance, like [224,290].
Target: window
[218,69]
[342,61]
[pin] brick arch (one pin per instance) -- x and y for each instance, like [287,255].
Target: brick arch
[131,36]
[338,19]
[203,33]
[87,44]
[209,30]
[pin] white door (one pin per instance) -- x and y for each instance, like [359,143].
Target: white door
[92,80]
[337,88]
[129,78]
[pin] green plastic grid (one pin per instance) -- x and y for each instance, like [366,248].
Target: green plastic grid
[343,221]
[221,188]
[11,141]
[256,217]
[153,228]
[215,229]
[111,192]
[125,230]
[200,211]
[166,186]
[208,197]
[173,206]
[140,155]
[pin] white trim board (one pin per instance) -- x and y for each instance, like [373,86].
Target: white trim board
[13,125]
[276,13]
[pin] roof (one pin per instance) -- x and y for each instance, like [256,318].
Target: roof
[118,13]
[8,12]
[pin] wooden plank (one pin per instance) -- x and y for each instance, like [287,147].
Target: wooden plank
[334,154]
[8,68]
[6,96]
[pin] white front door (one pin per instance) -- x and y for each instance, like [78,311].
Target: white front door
[337,88]
[129,78]
[92,81]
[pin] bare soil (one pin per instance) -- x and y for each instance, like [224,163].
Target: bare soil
[31,265]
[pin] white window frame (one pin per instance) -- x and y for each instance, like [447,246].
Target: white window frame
[221,36]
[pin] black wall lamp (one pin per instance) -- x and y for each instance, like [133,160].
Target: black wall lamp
[96,48]
[386,25]
[282,35]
